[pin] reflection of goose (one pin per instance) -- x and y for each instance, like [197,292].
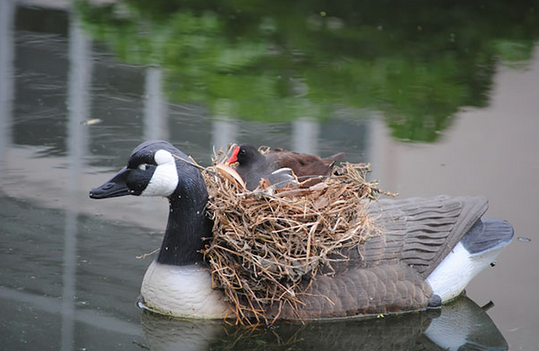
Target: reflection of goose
[431,249]
[252,165]
[462,325]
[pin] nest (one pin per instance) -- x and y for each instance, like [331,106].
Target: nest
[268,244]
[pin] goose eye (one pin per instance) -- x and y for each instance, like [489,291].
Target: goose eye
[143,166]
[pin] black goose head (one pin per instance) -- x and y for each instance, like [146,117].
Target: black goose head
[156,168]
[245,154]
[153,169]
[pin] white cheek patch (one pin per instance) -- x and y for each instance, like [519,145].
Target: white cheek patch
[165,177]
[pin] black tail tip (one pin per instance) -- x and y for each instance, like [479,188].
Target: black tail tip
[435,301]
[486,234]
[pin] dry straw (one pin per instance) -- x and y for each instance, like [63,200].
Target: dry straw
[268,244]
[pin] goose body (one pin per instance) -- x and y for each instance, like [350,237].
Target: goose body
[431,249]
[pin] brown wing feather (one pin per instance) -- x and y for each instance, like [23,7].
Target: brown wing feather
[301,164]
[421,232]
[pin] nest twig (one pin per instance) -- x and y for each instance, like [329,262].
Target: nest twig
[268,244]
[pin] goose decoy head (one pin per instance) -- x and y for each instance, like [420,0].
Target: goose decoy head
[157,168]
[152,170]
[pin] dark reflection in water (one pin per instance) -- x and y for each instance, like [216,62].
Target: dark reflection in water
[308,76]
[59,284]
[461,325]
[132,106]
[418,63]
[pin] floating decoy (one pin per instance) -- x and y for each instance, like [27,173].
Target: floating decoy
[431,249]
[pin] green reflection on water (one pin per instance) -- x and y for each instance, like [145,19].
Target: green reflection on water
[416,62]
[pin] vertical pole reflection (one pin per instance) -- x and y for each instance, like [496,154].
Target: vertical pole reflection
[7,15]
[223,132]
[305,132]
[155,119]
[155,106]
[78,102]
[224,128]
[69,280]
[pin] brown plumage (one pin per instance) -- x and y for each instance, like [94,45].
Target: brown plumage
[253,166]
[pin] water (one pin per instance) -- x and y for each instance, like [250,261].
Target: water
[442,100]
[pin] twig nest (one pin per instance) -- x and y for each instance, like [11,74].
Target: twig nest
[268,244]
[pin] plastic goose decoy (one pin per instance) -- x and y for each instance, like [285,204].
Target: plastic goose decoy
[431,249]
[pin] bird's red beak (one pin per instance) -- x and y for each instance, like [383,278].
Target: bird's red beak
[234,157]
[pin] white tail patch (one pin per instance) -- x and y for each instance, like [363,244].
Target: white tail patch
[450,278]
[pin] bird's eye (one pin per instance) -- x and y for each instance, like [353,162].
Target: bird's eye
[143,166]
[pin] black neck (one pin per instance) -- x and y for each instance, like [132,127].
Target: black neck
[187,228]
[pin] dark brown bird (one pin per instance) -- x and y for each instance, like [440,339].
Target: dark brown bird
[253,166]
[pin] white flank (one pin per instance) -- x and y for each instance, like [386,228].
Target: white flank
[450,278]
[165,178]
[182,291]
